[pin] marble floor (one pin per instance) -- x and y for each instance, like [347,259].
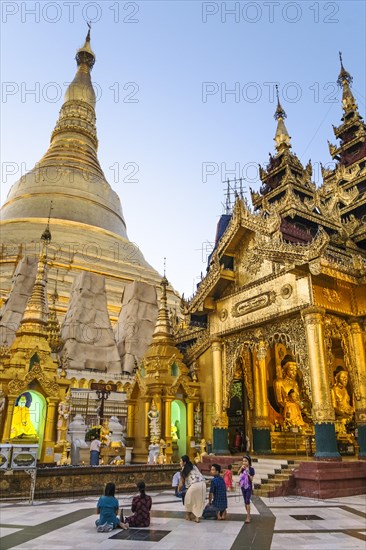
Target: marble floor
[278,523]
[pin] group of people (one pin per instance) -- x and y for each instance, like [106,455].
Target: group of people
[191,488]
[107,508]
[190,485]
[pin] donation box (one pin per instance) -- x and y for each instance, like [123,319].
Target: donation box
[24,457]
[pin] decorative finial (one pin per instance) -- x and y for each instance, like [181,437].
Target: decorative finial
[46,235]
[282,138]
[344,80]
[85,55]
[55,293]
[164,266]
[343,75]
[280,112]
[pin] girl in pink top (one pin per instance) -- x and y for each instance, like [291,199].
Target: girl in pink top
[228,478]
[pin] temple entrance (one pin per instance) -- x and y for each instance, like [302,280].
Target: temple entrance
[179,426]
[237,417]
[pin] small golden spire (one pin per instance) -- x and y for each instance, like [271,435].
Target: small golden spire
[163,329]
[282,137]
[35,317]
[344,81]
[54,332]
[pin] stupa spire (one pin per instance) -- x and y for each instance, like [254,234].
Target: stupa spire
[35,317]
[344,81]
[69,172]
[163,329]
[54,331]
[282,137]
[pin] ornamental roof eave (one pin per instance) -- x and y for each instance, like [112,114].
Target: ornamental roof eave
[242,218]
[355,119]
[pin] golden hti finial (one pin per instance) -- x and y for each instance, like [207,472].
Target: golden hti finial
[282,137]
[85,55]
[344,81]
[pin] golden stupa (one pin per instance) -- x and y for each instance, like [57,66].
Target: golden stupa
[68,188]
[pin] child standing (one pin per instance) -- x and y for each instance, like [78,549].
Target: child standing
[228,478]
[107,507]
[246,473]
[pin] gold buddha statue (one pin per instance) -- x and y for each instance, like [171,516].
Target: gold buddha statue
[292,412]
[22,425]
[288,382]
[340,396]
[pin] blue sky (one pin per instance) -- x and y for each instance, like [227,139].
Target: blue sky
[169,129]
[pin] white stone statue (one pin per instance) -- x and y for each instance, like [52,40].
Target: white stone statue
[198,421]
[154,422]
[63,419]
[154,450]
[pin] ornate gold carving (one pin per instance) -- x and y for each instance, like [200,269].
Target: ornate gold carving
[277,250]
[286,291]
[220,420]
[223,315]
[331,295]
[50,387]
[323,412]
[252,304]
[200,345]
[186,384]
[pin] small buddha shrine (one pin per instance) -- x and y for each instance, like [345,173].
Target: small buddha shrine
[35,394]
[163,398]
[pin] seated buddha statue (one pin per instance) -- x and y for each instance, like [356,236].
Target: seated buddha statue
[288,381]
[340,396]
[292,412]
[22,424]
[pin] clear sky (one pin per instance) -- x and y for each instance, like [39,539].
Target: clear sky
[169,130]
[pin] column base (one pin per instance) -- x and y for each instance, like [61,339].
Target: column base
[220,441]
[326,442]
[361,440]
[262,440]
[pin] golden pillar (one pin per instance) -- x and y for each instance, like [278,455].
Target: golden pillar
[47,453]
[357,343]
[168,417]
[168,428]
[9,417]
[190,418]
[216,348]
[146,422]
[322,410]
[190,427]
[130,419]
[261,424]
[220,420]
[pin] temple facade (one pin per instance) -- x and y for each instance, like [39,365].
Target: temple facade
[276,329]
[267,356]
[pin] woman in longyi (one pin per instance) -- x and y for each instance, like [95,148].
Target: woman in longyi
[22,424]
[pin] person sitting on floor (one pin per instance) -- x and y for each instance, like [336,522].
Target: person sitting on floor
[107,508]
[175,483]
[217,498]
[141,506]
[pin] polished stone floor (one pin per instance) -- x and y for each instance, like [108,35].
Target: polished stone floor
[280,523]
